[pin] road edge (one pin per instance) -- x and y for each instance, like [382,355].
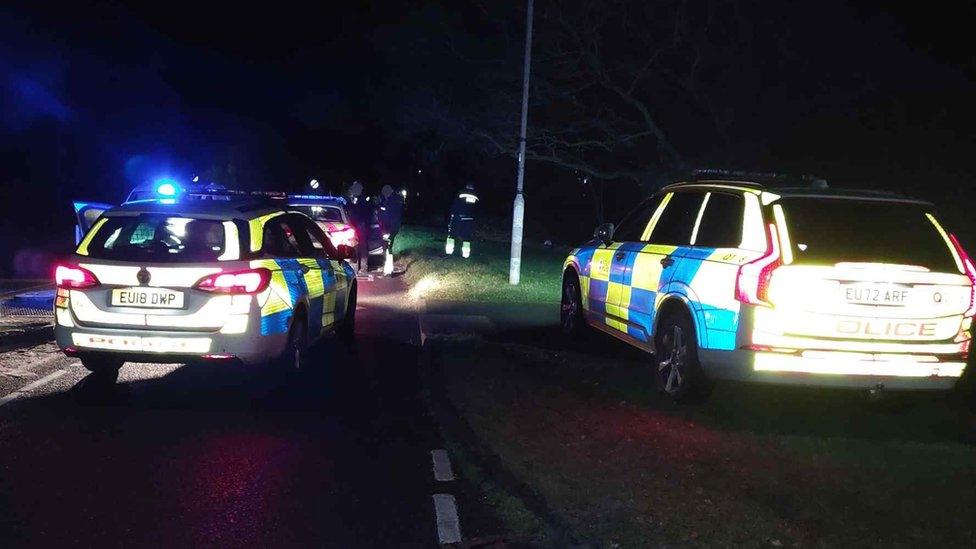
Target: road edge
[476,459]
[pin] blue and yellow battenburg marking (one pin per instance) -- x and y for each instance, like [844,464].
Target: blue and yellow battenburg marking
[624,285]
[288,286]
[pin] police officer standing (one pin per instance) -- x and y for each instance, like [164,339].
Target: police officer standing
[390,216]
[360,214]
[461,225]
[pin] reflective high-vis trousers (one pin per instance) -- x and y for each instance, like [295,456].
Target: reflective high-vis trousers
[465,247]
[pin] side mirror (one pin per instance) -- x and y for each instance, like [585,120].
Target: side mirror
[346,252]
[604,232]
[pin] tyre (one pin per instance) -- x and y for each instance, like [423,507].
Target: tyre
[571,307]
[295,355]
[104,370]
[347,328]
[678,373]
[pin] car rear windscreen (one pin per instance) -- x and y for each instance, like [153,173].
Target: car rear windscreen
[321,213]
[825,231]
[158,238]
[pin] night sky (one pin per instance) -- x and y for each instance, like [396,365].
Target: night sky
[96,98]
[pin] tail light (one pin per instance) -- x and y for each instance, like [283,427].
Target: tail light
[967,265]
[240,282]
[340,233]
[73,277]
[752,282]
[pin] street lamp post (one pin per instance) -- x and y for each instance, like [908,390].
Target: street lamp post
[518,213]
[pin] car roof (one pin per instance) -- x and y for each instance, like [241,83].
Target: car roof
[795,191]
[244,208]
[315,200]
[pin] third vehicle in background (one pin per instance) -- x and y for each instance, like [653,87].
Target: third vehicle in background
[331,214]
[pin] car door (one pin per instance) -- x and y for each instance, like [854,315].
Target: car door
[327,283]
[644,267]
[287,248]
[708,269]
[620,257]
[86,213]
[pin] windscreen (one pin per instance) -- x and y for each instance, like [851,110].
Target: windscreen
[321,213]
[158,238]
[826,231]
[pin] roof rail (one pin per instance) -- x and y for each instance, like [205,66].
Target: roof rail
[760,179]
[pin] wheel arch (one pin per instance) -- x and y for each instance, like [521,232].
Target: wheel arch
[679,303]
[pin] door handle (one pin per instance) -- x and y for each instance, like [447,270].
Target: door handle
[304,268]
[620,256]
[666,261]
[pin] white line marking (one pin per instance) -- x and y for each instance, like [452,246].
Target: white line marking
[30,387]
[442,465]
[448,526]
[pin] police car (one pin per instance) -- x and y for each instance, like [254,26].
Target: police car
[332,216]
[740,280]
[195,274]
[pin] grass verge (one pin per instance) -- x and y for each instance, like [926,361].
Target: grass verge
[756,466]
[432,274]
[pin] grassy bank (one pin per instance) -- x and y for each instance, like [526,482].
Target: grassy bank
[484,276]
[756,466]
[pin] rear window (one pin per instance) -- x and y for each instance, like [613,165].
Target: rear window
[158,239]
[320,213]
[828,231]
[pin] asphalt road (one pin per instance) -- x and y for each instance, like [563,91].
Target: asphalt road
[221,455]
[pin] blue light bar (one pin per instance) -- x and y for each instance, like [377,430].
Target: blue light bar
[166,187]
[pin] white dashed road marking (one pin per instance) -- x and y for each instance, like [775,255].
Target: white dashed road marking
[442,465]
[448,526]
[30,387]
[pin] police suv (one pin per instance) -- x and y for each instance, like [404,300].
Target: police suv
[200,275]
[805,285]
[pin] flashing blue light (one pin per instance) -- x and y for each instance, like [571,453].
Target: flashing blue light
[166,187]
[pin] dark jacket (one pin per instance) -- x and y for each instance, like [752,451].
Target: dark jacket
[360,213]
[390,214]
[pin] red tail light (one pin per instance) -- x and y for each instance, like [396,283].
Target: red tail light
[752,282]
[240,282]
[967,265]
[340,233]
[74,278]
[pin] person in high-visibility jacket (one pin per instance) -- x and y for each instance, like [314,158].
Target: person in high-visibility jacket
[461,225]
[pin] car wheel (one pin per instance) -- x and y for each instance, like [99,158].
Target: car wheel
[347,329]
[678,372]
[104,370]
[295,355]
[571,307]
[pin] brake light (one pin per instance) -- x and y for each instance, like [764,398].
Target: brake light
[74,278]
[241,282]
[342,234]
[752,282]
[970,271]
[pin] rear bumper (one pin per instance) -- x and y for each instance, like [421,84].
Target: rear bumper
[168,346]
[835,369]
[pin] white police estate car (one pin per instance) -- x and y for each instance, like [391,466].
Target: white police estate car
[200,275]
[737,280]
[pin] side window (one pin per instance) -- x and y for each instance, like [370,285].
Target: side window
[678,219]
[319,241]
[279,239]
[633,224]
[721,223]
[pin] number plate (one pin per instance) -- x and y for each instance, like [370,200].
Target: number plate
[876,294]
[153,298]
